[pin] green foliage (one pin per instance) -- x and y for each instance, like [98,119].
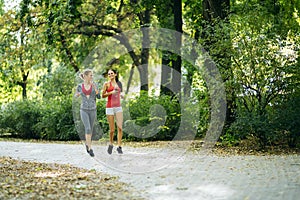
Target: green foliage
[251,124]
[159,118]
[56,121]
[265,72]
[72,8]
[57,83]
[19,117]
[21,53]
[151,118]
[164,13]
[200,105]
[1,7]
[51,120]
[102,119]
[287,120]
[230,139]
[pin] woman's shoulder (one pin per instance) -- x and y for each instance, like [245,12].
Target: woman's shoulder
[107,83]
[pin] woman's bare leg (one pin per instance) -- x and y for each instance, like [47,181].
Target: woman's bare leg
[119,119]
[111,122]
[88,140]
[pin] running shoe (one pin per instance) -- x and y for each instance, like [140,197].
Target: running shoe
[119,149]
[110,148]
[91,153]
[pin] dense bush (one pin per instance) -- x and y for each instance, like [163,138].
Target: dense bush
[250,124]
[287,121]
[51,120]
[56,121]
[160,118]
[19,118]
[151,118]
[278,126]
[145,118]
[101,117]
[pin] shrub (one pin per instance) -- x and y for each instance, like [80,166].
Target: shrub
[253,124]
[287,120]
[147,118]
[159,118]
[56,121]
[19,117]
[150,118]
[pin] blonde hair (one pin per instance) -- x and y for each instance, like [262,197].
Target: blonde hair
[85,73]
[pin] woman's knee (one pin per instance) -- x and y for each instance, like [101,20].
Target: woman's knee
[111,131]
[120,129]
[88,131]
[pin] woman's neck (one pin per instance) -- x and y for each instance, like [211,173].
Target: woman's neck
[113,81]
[87,82]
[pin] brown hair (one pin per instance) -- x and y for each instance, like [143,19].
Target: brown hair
[117,78]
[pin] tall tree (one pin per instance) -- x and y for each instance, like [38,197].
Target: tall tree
[22,52]
[89,22]
[169,14]
[176,75]
[265,64]
[143,9]
[215,13]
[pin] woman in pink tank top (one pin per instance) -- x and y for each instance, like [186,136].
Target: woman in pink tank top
[112,90]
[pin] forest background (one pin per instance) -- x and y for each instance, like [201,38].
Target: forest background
[253,43]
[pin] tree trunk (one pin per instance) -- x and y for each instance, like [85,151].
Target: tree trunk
[68,52]
[176,72]
[171,63]
[23,83]
[143,68]
[214,10]
[165,85]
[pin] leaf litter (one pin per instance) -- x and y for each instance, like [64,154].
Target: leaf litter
[32,180]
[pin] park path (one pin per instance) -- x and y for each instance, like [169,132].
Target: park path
[155,174]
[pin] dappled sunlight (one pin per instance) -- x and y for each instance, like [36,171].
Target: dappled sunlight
[192,191]
[48,174]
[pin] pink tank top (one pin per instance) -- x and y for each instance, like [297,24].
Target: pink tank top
[86,92]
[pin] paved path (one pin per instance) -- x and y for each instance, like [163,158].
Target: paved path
[156,173]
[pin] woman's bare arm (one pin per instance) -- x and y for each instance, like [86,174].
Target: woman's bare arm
[104,92]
